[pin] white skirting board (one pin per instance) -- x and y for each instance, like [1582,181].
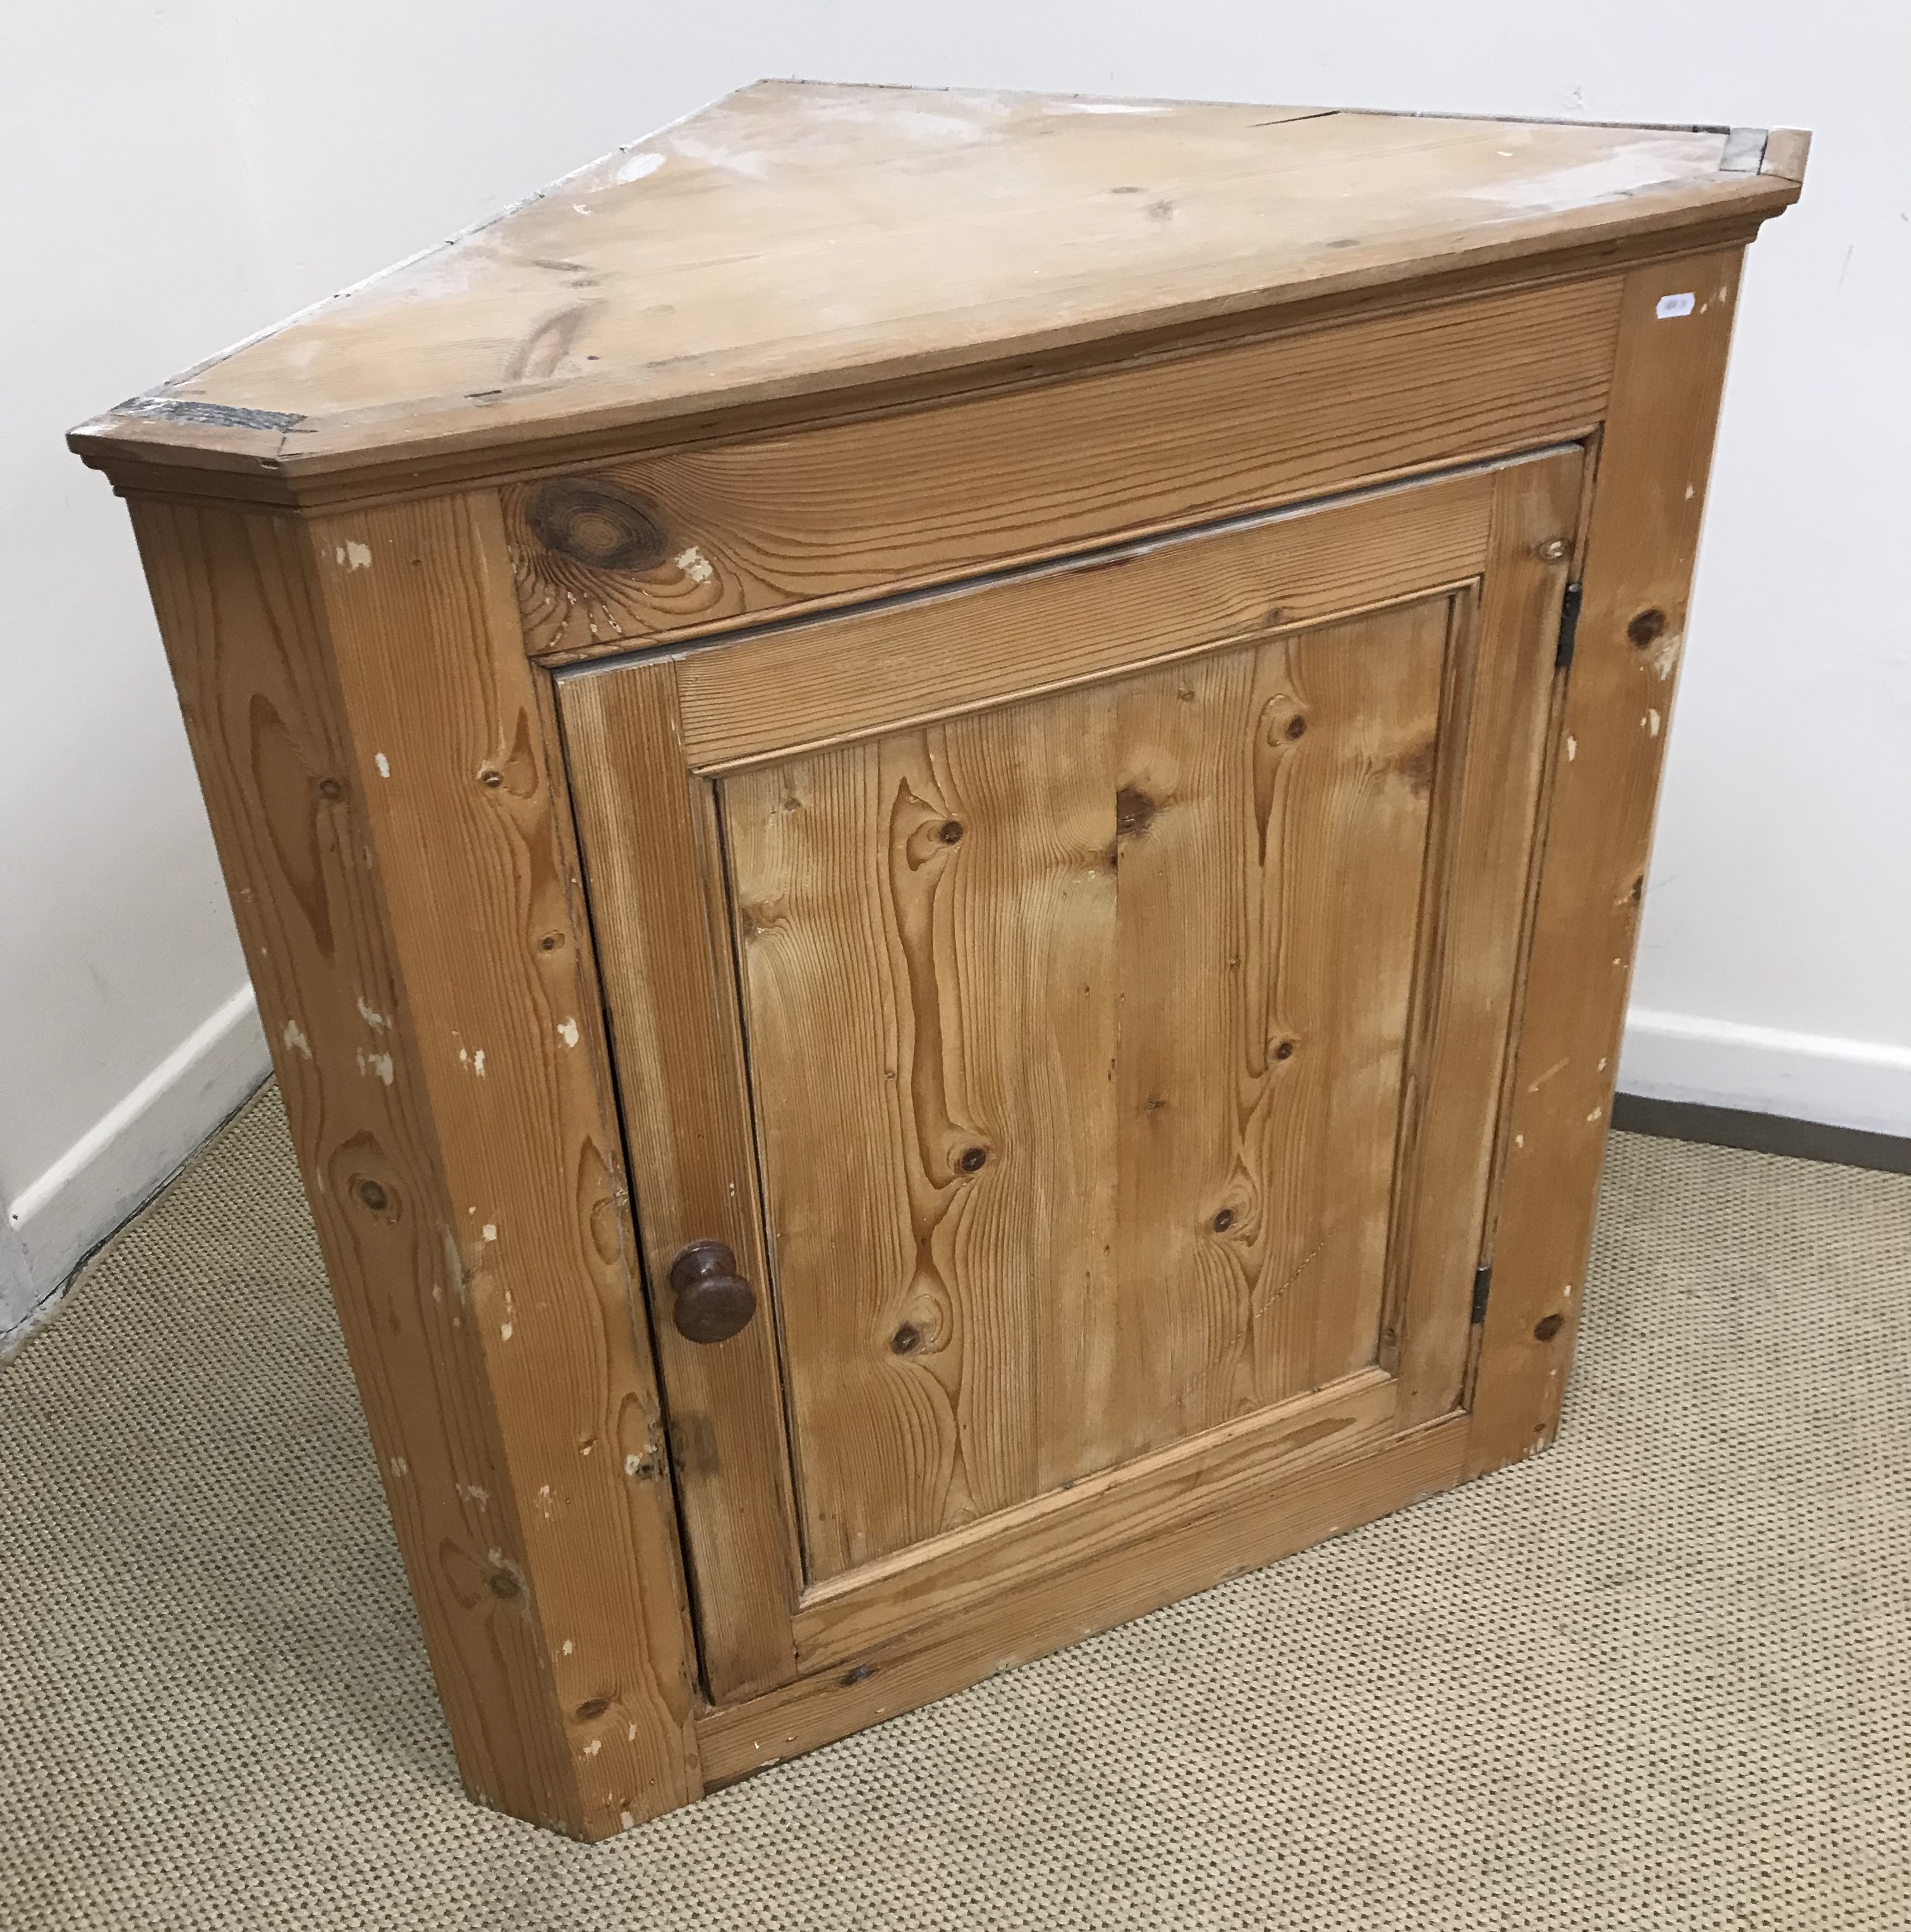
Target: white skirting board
[1803,1076]
[122,1160]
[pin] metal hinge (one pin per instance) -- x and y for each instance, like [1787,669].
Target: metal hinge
[1569,626]
[1483,1286]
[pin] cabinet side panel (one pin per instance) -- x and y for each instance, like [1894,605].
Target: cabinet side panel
[1640,546]
[321,879]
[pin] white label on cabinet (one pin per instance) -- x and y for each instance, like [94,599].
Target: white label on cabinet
[1672,305]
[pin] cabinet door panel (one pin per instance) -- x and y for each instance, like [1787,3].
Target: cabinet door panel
[1076,1032]
[1116,995]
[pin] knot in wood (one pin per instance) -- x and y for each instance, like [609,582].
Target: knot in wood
[597,524]
[1134,812]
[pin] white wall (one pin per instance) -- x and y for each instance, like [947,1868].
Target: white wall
[186,172]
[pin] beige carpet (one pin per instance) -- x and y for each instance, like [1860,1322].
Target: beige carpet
[1660,1677]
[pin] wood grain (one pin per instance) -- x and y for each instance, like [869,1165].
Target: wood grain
[470,1226]
[781,523]
[812,684]
[1097,1002]
[1233,1533]
[802,239]
[664,952]
[1644,533]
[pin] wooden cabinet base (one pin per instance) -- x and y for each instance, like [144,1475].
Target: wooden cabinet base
[944,903]
[1236,1528]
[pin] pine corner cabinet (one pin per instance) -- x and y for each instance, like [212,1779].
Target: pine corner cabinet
[939,801]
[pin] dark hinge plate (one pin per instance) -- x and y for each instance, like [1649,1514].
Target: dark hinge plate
[1483,1286]
[1569,626]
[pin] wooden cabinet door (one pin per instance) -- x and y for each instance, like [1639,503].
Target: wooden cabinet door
[1080,1002]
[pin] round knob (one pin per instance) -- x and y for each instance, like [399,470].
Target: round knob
[713,1300]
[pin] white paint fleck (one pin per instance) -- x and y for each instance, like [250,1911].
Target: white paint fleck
[568,1646]
[507,1331]
[624,1818]
[295,1040]
[630,1737]
[1572,747]
[695,565]
[379,1063]
[1690,492]
[568,1033]
[1672,306]
[632,1464]
[1104,107]
[1519,1140]
[370,1015]
[399,1467]
[1595,1114]
[595,1745]
[1601,1067]
[635,167]
[1653,721]
[1640,163]
[353,556]
[693,148]
[473,1493]
[478,1063]
[383,763]
[491,1227]
[544,1498]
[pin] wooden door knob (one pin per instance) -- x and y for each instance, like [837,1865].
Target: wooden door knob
[713,1300]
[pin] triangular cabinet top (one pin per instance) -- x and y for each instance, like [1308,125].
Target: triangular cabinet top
[797,247]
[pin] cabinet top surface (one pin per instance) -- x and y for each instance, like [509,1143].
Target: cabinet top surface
[799,239]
